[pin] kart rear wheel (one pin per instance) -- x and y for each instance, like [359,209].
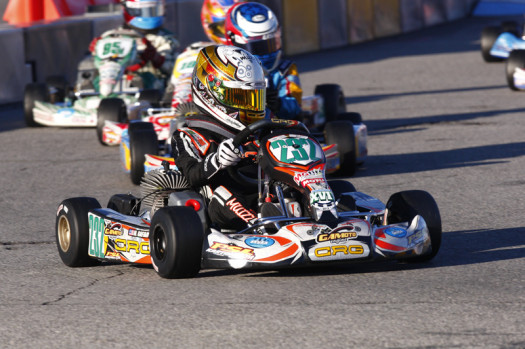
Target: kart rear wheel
[33,92]
[142,140]
[333,100]
[405,205]
[488,38]
[176,237]
[341,132]
[58,88]
[110,109]
[72,231]
[516,60]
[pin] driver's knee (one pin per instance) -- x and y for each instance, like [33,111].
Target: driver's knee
[229,210]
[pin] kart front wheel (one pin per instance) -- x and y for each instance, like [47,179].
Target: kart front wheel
[72,231]
[142,140]
[33,92]
[516,60]
[176,237]
[110,109]
[405,205]
[488,38]
[341,132]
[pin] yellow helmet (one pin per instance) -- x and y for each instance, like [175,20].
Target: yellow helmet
[228,83]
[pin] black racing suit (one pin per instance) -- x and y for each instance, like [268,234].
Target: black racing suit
[194,148]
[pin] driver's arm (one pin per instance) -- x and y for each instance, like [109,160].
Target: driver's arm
[200,159]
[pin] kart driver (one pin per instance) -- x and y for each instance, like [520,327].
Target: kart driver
[228,88]
[213,14]
[156,46]
[254,27]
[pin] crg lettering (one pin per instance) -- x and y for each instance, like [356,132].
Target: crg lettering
[334,250]
[124,245]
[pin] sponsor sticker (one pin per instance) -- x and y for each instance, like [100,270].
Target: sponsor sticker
[396,232]
[259,242]
[230,250]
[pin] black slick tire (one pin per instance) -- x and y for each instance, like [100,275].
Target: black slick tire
[405,205]
[341,132]
[176,238]
[333,100]
[72,231]
[110,109]
[488,37]
[32,93]
[516,60]
[142,140]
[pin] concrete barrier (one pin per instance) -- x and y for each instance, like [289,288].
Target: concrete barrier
[14,74]
[308,25]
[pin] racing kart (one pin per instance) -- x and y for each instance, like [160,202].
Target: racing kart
[506,42]
[303,219]
[106,88]
[343,135]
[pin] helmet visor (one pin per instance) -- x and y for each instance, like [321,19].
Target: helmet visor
[263,46]
[236,95]
[146,10]
[239,98]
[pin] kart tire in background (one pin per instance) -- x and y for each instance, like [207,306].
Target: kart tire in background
[72,231]
[176,236]
[153,97]
[516,60]
[110,109]
[405,205]
[33,92]
[142,140]
[353,117]
[58,88]
[333,100]
[340,186]
[341,132]
[488,37]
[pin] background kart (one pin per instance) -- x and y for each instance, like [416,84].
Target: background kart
[105,90]
[113,132]
[343,135]
[303,218]
[505,42]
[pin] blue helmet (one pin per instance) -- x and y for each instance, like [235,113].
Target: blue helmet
[144,14]
[254,27]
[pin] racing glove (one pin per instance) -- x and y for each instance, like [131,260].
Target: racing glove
[227,154]
[150,54]
[273,101]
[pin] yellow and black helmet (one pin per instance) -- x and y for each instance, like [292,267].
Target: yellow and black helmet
[228,83]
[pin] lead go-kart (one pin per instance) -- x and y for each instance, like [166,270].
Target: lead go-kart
[302,220]
[343,135]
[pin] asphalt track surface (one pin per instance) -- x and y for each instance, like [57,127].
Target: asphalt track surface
[439,118]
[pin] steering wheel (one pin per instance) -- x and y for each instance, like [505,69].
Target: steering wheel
[263,126]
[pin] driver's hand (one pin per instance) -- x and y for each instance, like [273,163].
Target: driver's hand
[228,154]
